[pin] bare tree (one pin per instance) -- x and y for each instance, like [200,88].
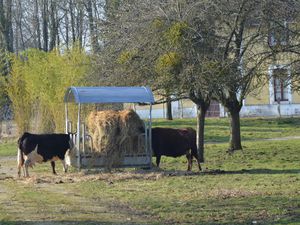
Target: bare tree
[36,26]
[6,24]
[222,46]
[92,26]
[45,21]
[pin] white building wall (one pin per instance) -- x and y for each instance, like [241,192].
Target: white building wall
[269,110]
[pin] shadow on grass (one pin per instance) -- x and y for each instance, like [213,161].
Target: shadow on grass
[287,220]
[65,223]
[175,172]
[221,172]
[263,171]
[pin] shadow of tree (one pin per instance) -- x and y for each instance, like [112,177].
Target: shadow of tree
[66,223]
[261,171]
[220,172]
[287,220]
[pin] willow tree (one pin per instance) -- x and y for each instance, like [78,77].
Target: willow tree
[37,84]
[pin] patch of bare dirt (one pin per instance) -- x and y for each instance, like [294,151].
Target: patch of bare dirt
[8,170]
[108,177]
[8,167]
[82,177]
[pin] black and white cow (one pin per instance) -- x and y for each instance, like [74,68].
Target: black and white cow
[38,148]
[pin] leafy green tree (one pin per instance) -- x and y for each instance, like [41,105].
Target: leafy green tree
[38,83]
[20,98]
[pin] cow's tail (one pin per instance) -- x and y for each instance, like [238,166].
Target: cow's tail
[20,161]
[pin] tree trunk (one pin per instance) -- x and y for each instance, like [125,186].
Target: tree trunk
[19,37]
[45,24]
[2,21]
[37,31]
[53,27]
[10,36]
[93,32]
[203,102]
[169,109]
[202,109]
[6,28]
[67,30]
[80,25]
[235,131]
[71,9]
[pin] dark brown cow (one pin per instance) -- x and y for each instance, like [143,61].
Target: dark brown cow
[175,143]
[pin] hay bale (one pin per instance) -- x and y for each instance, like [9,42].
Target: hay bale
[131,128]
[115,133]
[102,126]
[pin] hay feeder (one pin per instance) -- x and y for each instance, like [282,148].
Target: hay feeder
[97,95]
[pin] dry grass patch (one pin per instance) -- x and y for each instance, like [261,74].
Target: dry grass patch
[232,193]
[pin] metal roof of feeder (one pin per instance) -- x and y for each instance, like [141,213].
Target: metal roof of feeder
[109,95]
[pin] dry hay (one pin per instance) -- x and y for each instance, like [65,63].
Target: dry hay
[114,134]
[131,128]
[117,175]
[85,176]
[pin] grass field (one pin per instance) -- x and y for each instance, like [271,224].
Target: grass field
[259,185]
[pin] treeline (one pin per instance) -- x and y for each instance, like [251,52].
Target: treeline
[45,46]
[49,24]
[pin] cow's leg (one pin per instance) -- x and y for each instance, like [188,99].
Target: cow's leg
[26,173]
[198,161]
[53,167]
[20,162]
[158,160]
[65,165]
[23,168]
[189,158]
[195,154]
[19,171]
[27,164]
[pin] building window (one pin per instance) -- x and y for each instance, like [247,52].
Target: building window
[279,34]
[280,88]
[280,77]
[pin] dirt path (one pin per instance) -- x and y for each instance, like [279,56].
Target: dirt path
[8,169]
[71,206]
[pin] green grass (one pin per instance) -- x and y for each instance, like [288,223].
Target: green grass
[216,130]
[8,148]
[258,185]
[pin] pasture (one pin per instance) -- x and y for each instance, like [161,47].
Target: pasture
[259,185]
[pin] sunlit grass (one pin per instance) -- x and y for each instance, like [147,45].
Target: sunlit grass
[8,148]
[256,185]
